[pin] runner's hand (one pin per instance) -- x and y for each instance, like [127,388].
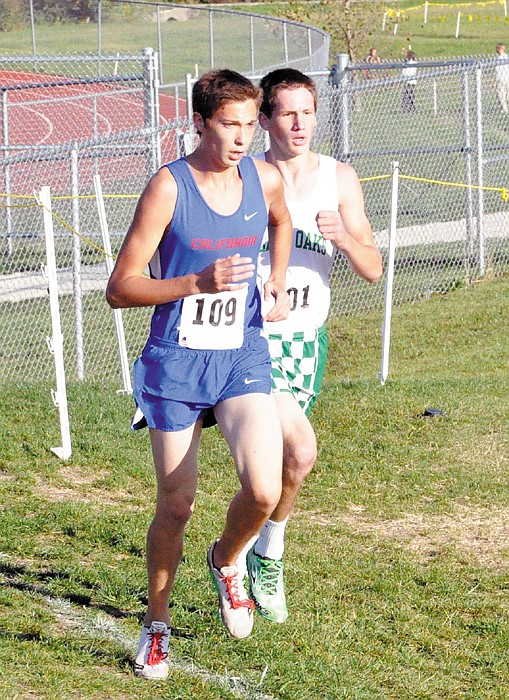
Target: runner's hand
[330,225]
[225,274]
[281,309]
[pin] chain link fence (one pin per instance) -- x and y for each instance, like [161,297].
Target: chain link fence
[61,127]
[452,218]
[187,38]
[451,143]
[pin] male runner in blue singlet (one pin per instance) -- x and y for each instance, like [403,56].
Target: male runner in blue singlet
[326,204]
[200,223]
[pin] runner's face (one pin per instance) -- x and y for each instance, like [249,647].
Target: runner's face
[292,123]
[228,133]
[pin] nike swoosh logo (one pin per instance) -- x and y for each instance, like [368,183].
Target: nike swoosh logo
[247,217]
[250,381]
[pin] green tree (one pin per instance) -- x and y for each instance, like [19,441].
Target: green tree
[350,23]
[13,14]
[66,10]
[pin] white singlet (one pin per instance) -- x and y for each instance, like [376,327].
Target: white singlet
[307,279]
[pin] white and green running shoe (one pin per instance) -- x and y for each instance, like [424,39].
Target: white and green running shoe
[267,587]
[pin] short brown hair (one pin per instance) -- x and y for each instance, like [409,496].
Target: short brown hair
[280,79]
[215,88]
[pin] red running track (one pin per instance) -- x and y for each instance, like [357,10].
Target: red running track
[59,113]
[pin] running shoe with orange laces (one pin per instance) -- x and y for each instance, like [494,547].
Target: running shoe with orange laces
[236,609]
[152,656]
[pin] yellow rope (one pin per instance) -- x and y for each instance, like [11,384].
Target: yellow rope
[73,230]
[504,193]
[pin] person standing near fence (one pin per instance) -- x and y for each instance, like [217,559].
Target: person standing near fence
[374,59]
[502,78]
[200,223]
[410,75]
[326,203]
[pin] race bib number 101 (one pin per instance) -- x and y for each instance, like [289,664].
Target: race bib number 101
[213,321]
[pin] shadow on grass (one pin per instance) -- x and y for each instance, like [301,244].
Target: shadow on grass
[13,573]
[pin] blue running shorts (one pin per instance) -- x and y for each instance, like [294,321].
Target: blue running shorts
[174,386]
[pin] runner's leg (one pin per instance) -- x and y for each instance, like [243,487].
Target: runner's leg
[250,424]
[175,459]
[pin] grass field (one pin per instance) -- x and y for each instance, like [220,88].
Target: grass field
[185,45]
[482,26]
[397,555]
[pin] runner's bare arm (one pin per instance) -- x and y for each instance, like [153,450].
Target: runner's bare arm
[280,240]
[129,286]
[349,228]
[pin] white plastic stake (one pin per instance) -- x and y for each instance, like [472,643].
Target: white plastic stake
[425,11]
[117,313]
[56,342]
[458,25]
[389,277]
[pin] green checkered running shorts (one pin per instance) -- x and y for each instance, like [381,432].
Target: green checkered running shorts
[298,364]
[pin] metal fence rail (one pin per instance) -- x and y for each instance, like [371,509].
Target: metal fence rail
[453,219]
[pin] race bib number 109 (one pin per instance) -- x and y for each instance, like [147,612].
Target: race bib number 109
[213,321]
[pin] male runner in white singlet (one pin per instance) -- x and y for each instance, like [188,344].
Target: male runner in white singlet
[200,223]
[327,208]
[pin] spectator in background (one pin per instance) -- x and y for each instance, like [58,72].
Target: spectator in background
[502,77]
[372,57]
[410,74]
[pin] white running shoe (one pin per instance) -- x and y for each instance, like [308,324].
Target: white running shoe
[236,609]
[152,656]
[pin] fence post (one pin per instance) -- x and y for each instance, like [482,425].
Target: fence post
[189,95]
[32,26]
[76,268]
[151,107]
[117,313]
[468,171]
[211,38]
[251,42]
[99,36]
[343,61]
[458,25]
[56,342]
[7,170]
[160,44]
[389,276]
[480,169]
